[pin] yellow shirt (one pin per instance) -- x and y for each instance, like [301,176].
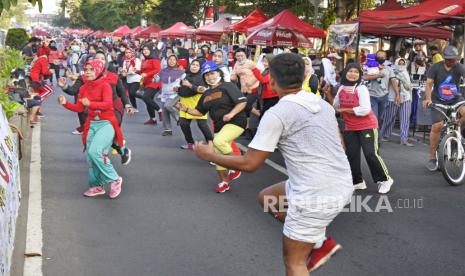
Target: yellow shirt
[306,86]
[437,58]
[190,102]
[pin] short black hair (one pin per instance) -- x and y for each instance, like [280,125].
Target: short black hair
[178,42]
[288,70]
[240,50]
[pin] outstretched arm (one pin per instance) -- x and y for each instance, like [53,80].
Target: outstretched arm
[249,162]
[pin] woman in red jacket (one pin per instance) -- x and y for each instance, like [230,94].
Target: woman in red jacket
[100,128]
[39,72]
[150,67]
[269,97]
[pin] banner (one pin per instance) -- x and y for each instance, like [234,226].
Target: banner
[9,192]
[343,35]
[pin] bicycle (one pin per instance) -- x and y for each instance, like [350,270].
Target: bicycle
[451,150]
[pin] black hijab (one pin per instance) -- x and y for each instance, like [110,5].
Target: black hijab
[345,81]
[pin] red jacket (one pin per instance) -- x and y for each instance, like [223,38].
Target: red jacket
[267,92]
[150,67]
[100,95]
[39,69]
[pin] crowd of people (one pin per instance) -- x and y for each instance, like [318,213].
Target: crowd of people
[335,115]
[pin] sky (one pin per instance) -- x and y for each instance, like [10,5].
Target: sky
[49,7]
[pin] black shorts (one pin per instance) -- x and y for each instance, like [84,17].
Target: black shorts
[437,116]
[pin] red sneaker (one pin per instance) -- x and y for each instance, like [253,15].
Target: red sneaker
[150,122]
[222,187]
[234,174]
[321,256]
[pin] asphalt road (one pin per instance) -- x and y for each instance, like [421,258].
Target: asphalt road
[168,220]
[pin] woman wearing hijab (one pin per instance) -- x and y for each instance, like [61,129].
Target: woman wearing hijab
[192,88]
[311,79]
[39,73]
[219,59]
[131,65]
[361,129]
[405,107]
[225,104]
[170,79]
[149,68]
[268,96]
[100,129]
[120,103]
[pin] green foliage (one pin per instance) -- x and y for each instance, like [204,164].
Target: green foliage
[7,4]
[169,12]
[9,60]
[16,38]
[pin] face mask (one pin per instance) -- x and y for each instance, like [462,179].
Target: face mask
[215,81]
[312,57]
[75,48]
[242,62]
[380,60]
[450,62]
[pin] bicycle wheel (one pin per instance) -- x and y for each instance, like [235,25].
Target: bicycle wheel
[451,159]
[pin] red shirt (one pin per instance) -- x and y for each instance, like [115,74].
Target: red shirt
[39,69]
[150,67]
[267,92]
[100,95]
[348,99]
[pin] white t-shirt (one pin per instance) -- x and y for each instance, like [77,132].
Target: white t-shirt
[131,78]
[305,130]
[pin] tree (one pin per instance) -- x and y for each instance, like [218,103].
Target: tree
[168,12]
[15,16]
[7,4]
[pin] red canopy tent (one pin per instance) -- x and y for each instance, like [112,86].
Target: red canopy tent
[215,29]
[149,32]
[255,18]
[121,31]
[429,13]
[289,20]
[39,32]
[136,30]
[380,29]
[178,30]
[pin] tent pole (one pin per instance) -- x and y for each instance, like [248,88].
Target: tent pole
[358,43]
[463,40]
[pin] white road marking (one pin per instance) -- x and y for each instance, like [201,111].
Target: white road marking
[34,243]
[270,163]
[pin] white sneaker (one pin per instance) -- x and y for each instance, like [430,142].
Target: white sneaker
[385,186]
[360,186]
[76,132]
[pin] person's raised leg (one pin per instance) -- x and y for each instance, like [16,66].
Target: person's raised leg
[295,255]
[273,200]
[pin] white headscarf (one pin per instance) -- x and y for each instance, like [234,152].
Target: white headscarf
[310,71]
[402,69]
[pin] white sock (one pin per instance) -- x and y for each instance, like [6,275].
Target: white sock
[319,244]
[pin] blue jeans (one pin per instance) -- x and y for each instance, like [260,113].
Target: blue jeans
[378,105]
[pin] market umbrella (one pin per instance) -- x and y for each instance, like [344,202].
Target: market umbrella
[276,36]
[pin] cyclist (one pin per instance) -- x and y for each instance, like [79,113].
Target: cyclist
[445,76]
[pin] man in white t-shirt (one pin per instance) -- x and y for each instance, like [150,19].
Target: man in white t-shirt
[305,130]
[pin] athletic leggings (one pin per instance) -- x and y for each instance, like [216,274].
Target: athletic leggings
[223,139]
[201,123]
[152,106]
[99,140]
[132,89]
[367,140]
